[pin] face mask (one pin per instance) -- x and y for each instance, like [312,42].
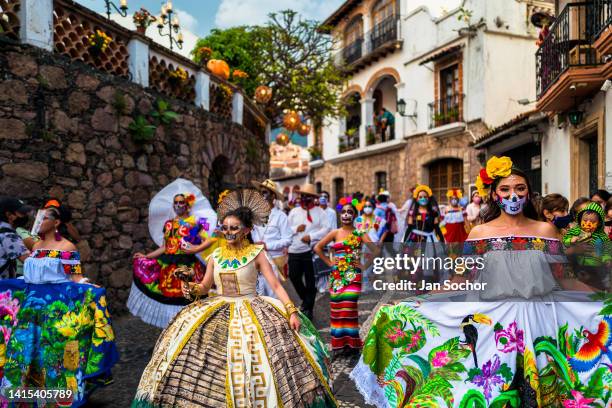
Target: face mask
[323,200]
[608,223]
[367,210]
[477,200]
[307,202]
[588,226]
[562,222]
[513,205]
[423,201]
[454,201]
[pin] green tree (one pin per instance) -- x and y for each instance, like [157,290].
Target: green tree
[291,55]
[234,46]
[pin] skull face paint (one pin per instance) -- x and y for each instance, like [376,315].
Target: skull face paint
[231,232]
[347,215]
[180,205]
[513,205]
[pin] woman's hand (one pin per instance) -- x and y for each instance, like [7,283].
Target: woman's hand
[294,321]
[190,289]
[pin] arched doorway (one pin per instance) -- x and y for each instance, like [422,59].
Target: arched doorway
[385,108]
[220,178]
[443,175]
[349,139]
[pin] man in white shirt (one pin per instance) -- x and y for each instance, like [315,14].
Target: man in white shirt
[275,235]
[330,212]
[309,225]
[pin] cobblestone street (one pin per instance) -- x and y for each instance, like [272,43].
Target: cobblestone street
[136,339]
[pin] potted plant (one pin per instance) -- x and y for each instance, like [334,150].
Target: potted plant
[98,43]
[315,153]
[177,77]
[142,20]
[370,136]
[202,55]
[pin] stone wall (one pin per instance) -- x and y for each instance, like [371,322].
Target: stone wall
[64,133]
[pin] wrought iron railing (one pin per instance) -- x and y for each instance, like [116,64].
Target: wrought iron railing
[567,44]
[383,33]
[353,51]
[348,141]
[602,12]
[446,110]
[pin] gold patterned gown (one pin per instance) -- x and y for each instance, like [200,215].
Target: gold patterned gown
[236,349]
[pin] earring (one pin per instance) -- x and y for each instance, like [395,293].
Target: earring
[58,236]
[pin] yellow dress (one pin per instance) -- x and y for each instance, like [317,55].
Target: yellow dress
[236,349]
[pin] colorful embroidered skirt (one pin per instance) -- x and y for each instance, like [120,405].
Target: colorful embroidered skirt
[489,354]
[55,336]
[236,352]
[344,322]
[156,295]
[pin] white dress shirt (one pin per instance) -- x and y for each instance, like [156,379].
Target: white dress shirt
[316,229]
[276,234]
[332,217]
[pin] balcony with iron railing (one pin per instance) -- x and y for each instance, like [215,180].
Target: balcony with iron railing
[446,111]
[381,40]
[348,141]
[567,56]
[602,26]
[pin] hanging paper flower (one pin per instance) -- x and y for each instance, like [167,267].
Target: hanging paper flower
[282,139]
[303,129]
[263,94]
[239,74]
[218,68]
[291,120]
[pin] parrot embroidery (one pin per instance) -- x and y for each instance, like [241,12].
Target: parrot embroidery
[598,344]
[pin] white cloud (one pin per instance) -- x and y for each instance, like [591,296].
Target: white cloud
[186,21]
[252,12]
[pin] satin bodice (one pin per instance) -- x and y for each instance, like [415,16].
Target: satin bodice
[235,272]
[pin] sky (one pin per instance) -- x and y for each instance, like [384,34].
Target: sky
[198,17]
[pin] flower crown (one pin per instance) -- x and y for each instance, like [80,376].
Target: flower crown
[349,200]
[419,188]
[454,192]
[189,198]
[497,167]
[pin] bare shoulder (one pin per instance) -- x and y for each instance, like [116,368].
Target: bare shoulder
[480,231]
[545,230]
[68,246]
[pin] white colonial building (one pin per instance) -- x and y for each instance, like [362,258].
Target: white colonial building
[453,78]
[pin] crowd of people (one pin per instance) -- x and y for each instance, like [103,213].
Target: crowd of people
[232,336]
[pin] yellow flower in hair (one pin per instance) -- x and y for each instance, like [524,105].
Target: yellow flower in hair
[499,167]
[421,187]
[482,190]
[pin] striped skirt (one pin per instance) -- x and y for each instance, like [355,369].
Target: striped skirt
[345,315]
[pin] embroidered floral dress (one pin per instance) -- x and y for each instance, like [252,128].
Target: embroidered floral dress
[156,294]
[236,349]
[344,291]
[56,333]
[521,342]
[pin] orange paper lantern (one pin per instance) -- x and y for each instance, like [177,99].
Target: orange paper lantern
[291,121]
[303,129]
[219,68]
[263,94]
[282,139]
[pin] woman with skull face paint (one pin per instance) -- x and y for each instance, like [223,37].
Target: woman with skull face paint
[238,349]
[156,295]
[498,345]
[345,280]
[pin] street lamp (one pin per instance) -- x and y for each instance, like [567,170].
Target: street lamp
[168,18]
[122,9]
[401,109]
